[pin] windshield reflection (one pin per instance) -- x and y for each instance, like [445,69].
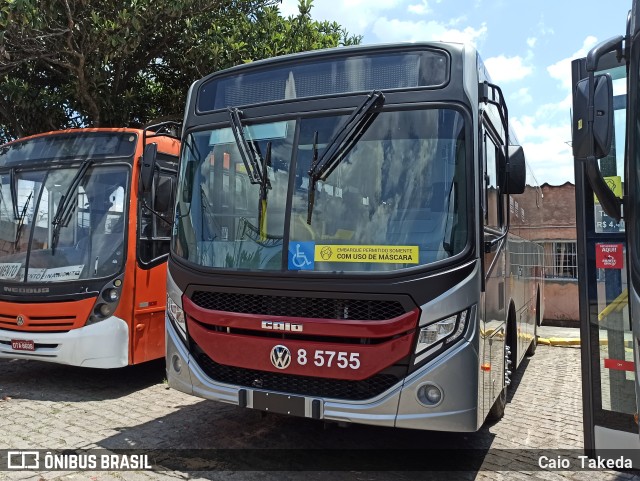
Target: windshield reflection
[90,239]
[398,199]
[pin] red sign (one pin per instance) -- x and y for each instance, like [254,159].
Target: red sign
[619,365]
[609,256]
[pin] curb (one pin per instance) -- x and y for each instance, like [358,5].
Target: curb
[558,341]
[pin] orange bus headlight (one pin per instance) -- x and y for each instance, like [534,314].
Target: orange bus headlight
[106,302]
[111,295]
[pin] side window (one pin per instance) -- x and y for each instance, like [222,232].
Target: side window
[492,217]
[155,228]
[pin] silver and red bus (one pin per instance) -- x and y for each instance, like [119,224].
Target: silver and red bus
[347,243]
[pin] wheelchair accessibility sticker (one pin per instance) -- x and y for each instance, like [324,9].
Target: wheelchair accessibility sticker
[301,256]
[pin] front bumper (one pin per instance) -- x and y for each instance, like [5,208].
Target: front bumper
[101,345]
[456,372]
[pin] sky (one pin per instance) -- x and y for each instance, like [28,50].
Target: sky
[527,47]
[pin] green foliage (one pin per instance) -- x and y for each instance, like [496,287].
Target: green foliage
[70,63]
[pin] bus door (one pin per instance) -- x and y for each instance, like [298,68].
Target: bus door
[608,373]
[154,233]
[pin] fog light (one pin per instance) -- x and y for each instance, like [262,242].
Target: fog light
[105,310]
[429,395]
[176,363]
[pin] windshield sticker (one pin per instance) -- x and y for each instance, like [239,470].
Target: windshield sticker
[372,254]
[68,273]
[35,274]
[8,270]
[301,256]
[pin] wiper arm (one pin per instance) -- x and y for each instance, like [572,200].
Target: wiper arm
[14,193]
[265,185]
[248,153]
[255,164]
[20,220]
[66,206]
[341,143]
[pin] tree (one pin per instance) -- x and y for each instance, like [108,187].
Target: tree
[71,63]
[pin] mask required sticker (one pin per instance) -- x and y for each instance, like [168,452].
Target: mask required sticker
[373,254]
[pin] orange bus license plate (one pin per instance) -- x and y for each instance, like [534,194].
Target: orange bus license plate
[21,345]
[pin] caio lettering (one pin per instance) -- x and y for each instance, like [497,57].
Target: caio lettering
[281,326]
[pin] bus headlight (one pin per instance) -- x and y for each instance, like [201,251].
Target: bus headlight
[106,303]
[445,331]
[176,315]
[111,295]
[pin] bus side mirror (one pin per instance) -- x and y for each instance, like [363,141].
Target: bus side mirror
[593,141]
[187,186]
[148,166]
[517,170]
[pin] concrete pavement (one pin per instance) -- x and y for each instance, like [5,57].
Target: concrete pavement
[59,407]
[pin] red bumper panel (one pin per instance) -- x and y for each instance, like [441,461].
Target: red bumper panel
[303,358]
[298,354]
[310,326]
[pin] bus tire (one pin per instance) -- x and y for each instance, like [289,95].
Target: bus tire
[497,410]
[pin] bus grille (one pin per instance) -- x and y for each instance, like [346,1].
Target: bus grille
[302,385]
[309,307]
[62,322]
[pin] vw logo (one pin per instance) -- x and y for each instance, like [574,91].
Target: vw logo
[20,320]
[280,357]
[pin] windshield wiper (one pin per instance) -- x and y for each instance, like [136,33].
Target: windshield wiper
[14,192]
[255,165]
[265,184]
[341,144]
[20,220]
[249,154]
[66,206]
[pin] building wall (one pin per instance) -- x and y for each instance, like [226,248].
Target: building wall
[554,226]
[561,301]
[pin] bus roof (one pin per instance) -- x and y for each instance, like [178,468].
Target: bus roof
[332,51]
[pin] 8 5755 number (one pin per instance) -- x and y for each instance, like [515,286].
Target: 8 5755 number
[343,360]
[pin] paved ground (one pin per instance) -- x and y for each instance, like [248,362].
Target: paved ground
[57,407]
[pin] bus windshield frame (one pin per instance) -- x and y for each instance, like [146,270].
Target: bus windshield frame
[379,211]
[63,212]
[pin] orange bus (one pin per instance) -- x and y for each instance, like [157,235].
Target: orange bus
[85,225]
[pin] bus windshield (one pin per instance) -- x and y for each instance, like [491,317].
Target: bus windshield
[62,224]
[397,199]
